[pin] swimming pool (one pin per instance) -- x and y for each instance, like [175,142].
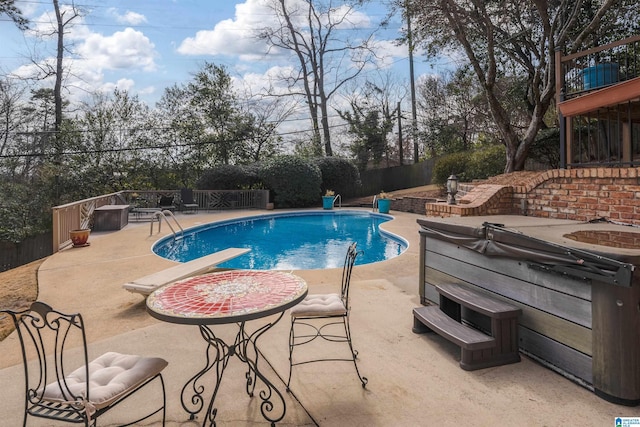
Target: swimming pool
[304,240]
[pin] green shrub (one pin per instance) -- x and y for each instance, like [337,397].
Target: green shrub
[294,182]
[338,174]
[486,162]
[228,177]
[455,163]
[470,165]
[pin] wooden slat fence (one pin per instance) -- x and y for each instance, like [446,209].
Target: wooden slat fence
[13,255]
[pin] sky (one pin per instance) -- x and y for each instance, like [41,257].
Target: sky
[145,46]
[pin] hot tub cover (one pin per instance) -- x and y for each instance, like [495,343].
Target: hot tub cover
[495,240]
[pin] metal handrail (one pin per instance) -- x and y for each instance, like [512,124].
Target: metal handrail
[339,198]
[375,203]
[163,214]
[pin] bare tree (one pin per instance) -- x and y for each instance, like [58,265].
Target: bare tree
[311,31]
[47,69]
[10,112]
[63,20]
[515,38]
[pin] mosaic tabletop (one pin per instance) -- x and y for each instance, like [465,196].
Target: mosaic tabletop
[226,297]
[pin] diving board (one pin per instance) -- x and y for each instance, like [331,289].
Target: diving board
[147,284]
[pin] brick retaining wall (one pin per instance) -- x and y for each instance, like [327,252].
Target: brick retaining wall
[576,194]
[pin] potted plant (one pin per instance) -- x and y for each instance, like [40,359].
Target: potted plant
[327,199]
[79,237]
[384,202]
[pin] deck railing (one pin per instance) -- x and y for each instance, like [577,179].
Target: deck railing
[598,67]
[607,133]
[76,215]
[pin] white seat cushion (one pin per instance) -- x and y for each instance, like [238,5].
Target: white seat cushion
[320,305]
[110,376]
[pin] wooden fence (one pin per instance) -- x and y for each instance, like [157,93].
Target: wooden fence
[396,178]
[30,249]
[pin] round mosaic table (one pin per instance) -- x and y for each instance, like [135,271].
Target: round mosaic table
[229,297]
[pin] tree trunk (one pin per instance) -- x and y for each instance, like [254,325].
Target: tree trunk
[325,128]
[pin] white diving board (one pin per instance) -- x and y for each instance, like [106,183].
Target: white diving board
[147,284]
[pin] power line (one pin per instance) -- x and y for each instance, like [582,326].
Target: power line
[131,149]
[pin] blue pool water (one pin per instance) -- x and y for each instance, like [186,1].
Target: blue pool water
[289,241]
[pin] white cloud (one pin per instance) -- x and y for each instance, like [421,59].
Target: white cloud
[271,80]
[235,37]
[128,18]
[127,49]
[388,52]
[90,55]
[121,84]
[28,8]
[45,26]
[352,18]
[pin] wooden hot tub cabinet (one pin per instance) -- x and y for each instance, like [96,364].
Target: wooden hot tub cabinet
[111,217]
[580,302]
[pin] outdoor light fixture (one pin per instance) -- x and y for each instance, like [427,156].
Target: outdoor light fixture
[452,189]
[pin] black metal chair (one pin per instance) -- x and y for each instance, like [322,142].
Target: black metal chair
[166,203]
[319,316]
[187,202]
[55,391]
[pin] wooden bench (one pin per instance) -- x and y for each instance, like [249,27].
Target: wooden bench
[477,349]
[147,284]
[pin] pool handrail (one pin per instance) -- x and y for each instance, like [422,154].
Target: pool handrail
[163,214]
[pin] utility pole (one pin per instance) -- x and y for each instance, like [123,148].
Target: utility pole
[414,114]
[400,152]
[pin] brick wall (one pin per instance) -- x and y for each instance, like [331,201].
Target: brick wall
[576,194]
[410,204]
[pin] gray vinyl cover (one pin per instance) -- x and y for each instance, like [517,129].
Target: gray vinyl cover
[495,240]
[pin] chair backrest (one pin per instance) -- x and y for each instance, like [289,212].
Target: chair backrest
[46,336]
[165,201]
[349,261]
[186,195]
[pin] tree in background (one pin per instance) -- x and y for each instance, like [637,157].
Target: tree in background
[113,132]
[12,118]
[9,8]
[451,114]
[515,39]
[207,122]
[370,121]
[327,60]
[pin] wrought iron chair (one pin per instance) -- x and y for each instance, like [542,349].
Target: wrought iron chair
[317,316]
[54,391]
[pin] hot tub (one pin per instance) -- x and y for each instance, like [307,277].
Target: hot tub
[575,283]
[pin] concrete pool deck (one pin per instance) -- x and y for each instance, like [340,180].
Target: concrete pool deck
[414,380]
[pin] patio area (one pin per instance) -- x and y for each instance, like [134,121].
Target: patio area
[413,379]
